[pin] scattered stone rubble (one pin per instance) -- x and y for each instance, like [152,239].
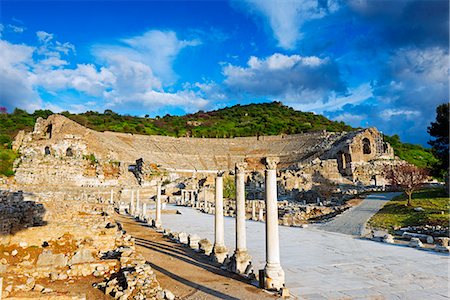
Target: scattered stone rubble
[296,214]
[79,242]
[413,239]
[135,279]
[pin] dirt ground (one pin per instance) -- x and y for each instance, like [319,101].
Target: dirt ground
[186,273]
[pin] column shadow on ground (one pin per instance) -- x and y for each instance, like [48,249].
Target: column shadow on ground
[179,254]
[197,286]
[187,255]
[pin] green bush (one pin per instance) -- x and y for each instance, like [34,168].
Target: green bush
[7,157]
[229,187]
[91,158]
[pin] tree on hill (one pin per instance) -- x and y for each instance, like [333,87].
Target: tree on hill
[407,177]
[439,130]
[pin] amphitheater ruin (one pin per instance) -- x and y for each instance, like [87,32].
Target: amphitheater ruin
[278,180]
[59,146]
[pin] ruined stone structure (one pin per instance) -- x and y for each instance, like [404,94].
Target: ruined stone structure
[61,151]
[17,213]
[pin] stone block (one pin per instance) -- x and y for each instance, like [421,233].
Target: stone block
[82,256]
[183,238]
[48,259]
[205,246]
[415,243]
[193,241]
[423,237]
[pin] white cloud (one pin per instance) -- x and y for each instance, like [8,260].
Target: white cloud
[16,77]
[44,37]
[294,78]
[334,102]
[418,80]
[408,114]
[156,49]
[84,78]
[16,29]
[125,78]
[352,119]
[287,17]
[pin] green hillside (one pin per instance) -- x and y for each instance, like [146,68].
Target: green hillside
[414,154]
[246,120]
[239,120]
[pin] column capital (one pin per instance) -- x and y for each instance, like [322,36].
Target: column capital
[271,162]
[241,167]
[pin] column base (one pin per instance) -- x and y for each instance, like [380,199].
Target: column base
[274,277]
[219,254]
[157,224]
[240,262]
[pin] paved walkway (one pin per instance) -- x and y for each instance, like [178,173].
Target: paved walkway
[187,274]
[327,265]
[353,221]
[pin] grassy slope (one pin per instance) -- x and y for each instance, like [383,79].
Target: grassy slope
[414,154]
[396,214]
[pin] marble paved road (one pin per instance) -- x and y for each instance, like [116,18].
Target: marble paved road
[327,265]
[353,221]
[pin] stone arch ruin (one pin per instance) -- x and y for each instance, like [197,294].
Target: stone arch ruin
[48,131]
[69,152]
[366,146]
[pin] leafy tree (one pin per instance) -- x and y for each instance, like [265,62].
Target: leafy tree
[407,177]
[229,187]
[439,130]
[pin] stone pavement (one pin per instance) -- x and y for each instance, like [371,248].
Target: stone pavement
[353,221]
[327,265]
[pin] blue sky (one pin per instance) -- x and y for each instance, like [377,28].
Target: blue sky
[365,62]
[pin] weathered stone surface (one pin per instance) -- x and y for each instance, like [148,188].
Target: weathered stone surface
[183,238]
[193,241]
[205,246]
[48,259]
[82,256]
[168,295]
[423,237]
[415,243]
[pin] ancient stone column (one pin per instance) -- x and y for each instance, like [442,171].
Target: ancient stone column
[219,252]
[274,274]
[253,210]
[138,207]
[240,259]
[132,202]
[144,209]
[261,214]
[158,223]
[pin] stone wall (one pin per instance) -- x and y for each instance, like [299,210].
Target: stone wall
[17,214]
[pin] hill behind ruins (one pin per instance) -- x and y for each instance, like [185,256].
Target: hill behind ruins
[263,119]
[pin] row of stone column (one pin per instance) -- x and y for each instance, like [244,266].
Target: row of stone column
[135,208]
[240,261]
[188,195]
